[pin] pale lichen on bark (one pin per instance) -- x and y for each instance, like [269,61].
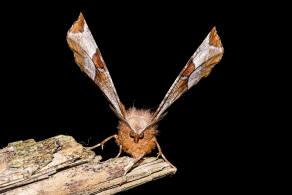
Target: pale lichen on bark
[60,165]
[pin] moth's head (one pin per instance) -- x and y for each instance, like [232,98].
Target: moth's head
[137,124]
[136,136]
[138,121]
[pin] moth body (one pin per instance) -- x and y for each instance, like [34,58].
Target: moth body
[133,140]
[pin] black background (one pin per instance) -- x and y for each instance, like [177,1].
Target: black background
[207,133]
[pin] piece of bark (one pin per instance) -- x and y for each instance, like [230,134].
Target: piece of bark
[59,165]
[27,161]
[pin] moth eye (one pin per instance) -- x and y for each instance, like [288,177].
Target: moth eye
[141,135]
[132,133]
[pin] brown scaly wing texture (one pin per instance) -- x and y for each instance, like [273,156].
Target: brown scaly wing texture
[89,59]
[199,65]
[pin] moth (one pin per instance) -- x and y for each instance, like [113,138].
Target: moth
[137,128]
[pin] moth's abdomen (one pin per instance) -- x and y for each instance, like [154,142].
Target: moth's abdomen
[147,143]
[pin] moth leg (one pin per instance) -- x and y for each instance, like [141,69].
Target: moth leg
[129,167]
[131,164]
[120,151]
[103,142]
[161,154]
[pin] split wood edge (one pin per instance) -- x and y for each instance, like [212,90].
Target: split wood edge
[60,165]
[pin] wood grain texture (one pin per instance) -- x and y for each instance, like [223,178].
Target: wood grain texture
[59,165]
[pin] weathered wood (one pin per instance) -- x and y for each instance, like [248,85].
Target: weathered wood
[59,165]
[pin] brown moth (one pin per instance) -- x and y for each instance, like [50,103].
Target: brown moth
[137,129]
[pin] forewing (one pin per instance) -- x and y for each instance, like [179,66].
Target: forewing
[89,59]
[199,65]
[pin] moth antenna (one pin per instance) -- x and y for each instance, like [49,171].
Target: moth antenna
[119,117]
[155,121]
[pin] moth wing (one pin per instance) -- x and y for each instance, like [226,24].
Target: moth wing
[199,65]
[88,58]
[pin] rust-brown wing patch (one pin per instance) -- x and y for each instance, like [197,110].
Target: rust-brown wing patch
[190,68]
[78,26]
[97,59]
[214,39]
